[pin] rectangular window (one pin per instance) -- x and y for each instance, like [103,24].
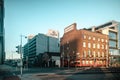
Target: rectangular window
[84,44]
[84,54]
[83,62]
[113,44]
[98,39]
[86,62]
[106,41]
[98,46]
[89,38]
[89,45]
[112,35]
[106,47]
[94,54]
[102,54]
[102,40]
[119,37]
[89,53]
[84,36]
[93,38]
[93,45]
[98,54]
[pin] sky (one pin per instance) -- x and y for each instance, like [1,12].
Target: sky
[38,16]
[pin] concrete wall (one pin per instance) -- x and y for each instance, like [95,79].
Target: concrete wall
[54,45]
[41,44]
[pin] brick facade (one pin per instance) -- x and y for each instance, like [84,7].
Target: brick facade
[83,48]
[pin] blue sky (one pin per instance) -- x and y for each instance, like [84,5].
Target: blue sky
[37,16]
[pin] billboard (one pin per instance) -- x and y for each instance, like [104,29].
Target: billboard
[70,28]
[53,33]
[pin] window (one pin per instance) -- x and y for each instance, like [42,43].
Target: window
[93,45]
[98,39]
[113,44]
[89,45]
[78,55]
[84,36]
[89,53]
[102,46]
[83,62]
[106,41]
[86,62]
[102,54]
[98,46]
[98,54]
[112,35]
[94,54]
[106,47]
[84,54]
[91,62]
[102,40]
[84,44]
[89,38]
[93,38]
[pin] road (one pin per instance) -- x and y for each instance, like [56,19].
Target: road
[69,74]
[72,74]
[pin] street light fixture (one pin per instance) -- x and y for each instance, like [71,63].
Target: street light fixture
[21,53]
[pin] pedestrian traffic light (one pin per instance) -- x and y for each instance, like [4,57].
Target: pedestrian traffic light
[18,49]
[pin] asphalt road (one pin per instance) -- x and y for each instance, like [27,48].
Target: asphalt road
[107,76]
[72,74]
[65,73]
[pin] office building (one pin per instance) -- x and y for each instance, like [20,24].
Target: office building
[40,49]
[83,48]
[2,33]
[112,29]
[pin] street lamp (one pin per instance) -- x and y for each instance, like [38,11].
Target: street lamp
[21,53]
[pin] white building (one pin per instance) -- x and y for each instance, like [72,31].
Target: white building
[38,46]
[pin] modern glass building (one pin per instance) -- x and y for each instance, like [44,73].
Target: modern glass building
[2,52]
[112,29]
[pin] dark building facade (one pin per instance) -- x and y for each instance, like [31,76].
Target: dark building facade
[2,43]
[84,48]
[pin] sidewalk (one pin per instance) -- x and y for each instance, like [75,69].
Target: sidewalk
[29,77]
[6,73]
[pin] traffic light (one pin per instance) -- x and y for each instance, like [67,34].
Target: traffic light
[18,49]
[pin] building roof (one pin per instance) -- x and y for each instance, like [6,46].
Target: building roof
[104,25]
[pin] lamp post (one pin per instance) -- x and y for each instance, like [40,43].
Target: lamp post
[21,65]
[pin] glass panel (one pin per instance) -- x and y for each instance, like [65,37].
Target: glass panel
[112,43]
[112,35]
[119,36]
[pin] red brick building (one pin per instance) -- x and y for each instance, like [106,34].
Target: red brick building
[83,48]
